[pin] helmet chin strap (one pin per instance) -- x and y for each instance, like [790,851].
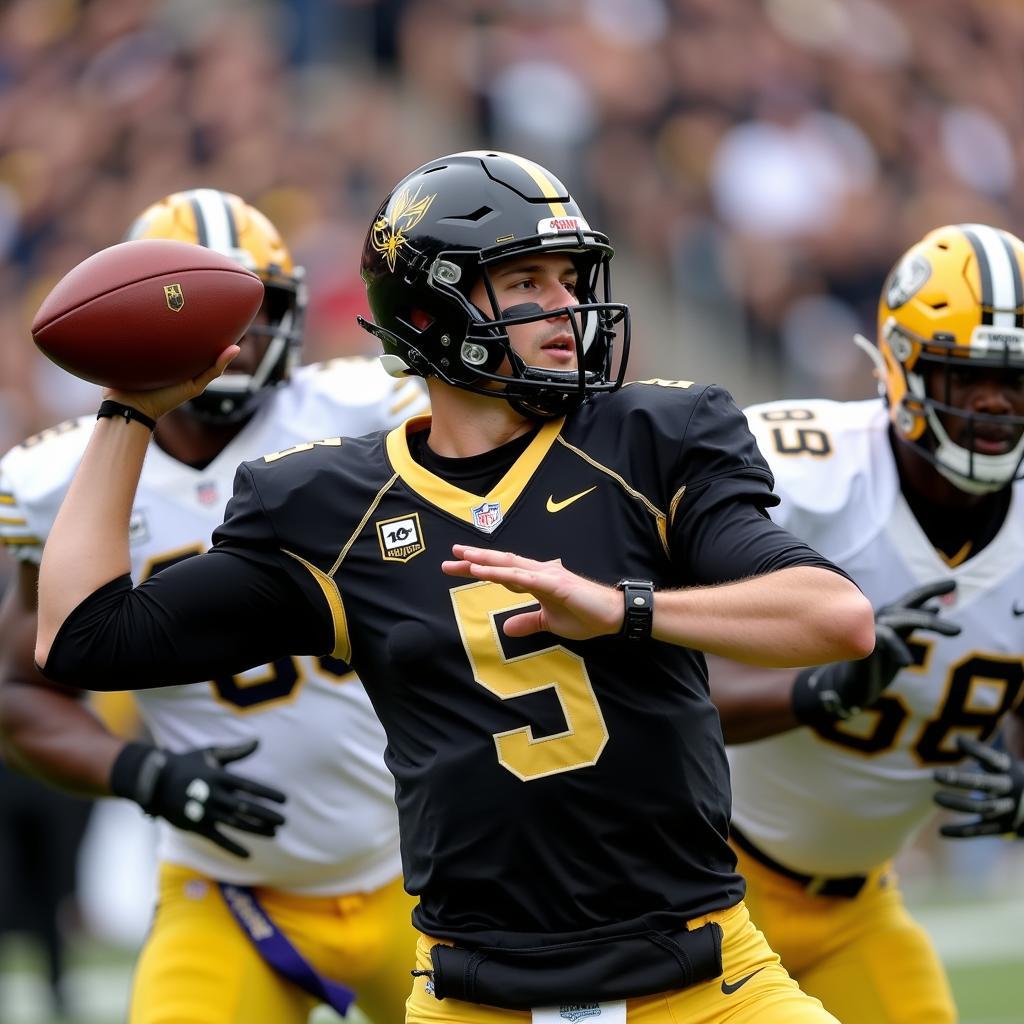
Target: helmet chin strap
[971,472]
[966,469]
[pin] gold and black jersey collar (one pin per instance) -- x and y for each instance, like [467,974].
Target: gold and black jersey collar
[452,499]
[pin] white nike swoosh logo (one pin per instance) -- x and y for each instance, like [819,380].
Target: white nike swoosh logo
[557,506]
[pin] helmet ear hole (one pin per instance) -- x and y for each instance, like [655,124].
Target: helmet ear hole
[901,347]
[904,421]
[474,355]
[420,319]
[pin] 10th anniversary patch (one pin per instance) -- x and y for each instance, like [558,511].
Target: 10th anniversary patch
[400,538]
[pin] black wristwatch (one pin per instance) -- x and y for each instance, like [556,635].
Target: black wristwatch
[638,619]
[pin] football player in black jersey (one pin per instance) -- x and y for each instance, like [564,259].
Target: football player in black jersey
[525,583]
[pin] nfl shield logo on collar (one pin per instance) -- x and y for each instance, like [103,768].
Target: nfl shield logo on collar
[206,492]
[487,516]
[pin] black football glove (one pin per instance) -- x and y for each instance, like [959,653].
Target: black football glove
[193,792]
[995,794]
[829,692]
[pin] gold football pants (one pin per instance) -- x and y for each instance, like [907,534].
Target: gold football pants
[865,958]
[199,967]
[769,996]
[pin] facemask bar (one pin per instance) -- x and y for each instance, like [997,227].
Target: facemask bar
[599,319]
[593,323]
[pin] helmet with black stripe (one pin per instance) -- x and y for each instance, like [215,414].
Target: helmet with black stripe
[953,306]
[440,231]
[226,223]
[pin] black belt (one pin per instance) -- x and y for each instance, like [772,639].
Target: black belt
[587,971]
[847,886]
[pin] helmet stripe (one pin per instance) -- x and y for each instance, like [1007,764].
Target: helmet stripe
[232,222]
[197,214]
[542,181]
[1000,275]
[215,225]
[983,272]
[1018,287]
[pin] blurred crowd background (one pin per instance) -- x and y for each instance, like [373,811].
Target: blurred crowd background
[759,164]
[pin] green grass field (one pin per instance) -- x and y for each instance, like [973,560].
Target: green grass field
[990,993]
[982,944]
[980,941]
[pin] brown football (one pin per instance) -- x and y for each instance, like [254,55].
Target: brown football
[147,313]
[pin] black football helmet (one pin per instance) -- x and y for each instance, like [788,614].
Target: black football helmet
[441,229]
[226,223]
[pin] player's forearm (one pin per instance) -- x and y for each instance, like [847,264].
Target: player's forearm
[753,702]
[56,738]
[88,544]
[794,617]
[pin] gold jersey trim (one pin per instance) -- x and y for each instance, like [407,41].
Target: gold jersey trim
[454,500]
[362,523]
[342,641]
[660,519]
[674,504]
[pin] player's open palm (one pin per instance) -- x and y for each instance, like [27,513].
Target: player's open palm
[570,605]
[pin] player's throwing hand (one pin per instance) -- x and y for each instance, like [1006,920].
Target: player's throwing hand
[162,400]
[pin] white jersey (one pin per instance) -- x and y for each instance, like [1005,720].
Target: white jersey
[842,801]
[320,740]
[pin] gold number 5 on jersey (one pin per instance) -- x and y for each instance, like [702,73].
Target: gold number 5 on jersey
[527,758]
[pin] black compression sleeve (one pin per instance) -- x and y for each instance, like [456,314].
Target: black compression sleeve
[210,615]
[737,540]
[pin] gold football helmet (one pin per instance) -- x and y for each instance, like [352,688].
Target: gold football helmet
[226,223]
[954,300]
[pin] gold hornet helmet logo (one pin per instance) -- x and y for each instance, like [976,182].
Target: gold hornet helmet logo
[175,298]
[389,230]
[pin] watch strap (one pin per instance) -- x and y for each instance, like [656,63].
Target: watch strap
[638,617]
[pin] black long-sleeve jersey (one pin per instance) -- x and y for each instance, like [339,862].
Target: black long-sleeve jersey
[546,787]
